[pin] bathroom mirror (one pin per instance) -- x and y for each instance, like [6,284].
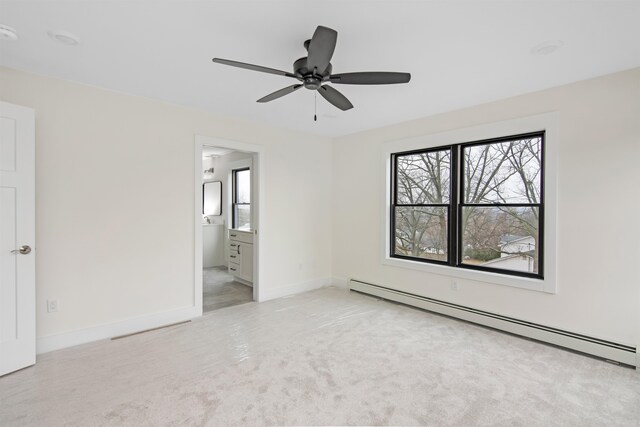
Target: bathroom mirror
[212,198]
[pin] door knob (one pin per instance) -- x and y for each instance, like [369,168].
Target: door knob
[23,250]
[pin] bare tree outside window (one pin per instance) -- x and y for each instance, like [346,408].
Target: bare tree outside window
[498,204]
[502,184]
[422,205]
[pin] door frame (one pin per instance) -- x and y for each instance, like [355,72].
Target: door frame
[258,190]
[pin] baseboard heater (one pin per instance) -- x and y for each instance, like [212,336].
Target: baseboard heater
[608,350]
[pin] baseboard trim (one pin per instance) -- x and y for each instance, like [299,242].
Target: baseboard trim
[244,282]
[309,285]
[108,330]
[621,353]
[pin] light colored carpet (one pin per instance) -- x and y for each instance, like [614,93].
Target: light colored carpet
[219,290]
[323,357]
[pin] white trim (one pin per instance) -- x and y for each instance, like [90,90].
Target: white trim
[296,288]
[547,122]
[244,282]
[109,330]
[524,330]
[257,209]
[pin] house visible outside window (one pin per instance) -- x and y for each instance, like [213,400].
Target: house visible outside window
[241,198]
[476,205]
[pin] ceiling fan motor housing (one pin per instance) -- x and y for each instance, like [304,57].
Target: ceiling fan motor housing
[311,80]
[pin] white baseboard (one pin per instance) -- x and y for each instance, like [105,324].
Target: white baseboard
[108,330]
[269,294]
[623,353]
[242,281]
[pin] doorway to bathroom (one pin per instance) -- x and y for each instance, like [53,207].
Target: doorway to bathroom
[227,206]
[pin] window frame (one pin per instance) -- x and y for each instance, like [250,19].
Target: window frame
[540,205]
[547,122]
[234,195]
[394,204]
[457,204]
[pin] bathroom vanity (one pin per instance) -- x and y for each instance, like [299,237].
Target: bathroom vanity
[241,255]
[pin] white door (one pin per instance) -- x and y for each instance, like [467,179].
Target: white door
[17,238]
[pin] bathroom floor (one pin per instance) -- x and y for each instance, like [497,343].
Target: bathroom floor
[220,290]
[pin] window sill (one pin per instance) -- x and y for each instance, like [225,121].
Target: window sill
[540,285]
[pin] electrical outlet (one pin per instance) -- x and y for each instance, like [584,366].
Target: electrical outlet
[52,305]
[454,285]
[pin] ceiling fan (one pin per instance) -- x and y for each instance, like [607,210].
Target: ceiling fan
[314,71]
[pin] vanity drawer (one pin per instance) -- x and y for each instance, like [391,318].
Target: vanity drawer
[241,236]
[234,268]
[233,248]
[234,257]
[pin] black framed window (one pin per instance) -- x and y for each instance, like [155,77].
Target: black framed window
[241,198]
[475,205]
[422,205]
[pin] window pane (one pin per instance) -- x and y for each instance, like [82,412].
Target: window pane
[503,172]
[243,186]
[243,216]
[501,237]
[421,232]
[423,178]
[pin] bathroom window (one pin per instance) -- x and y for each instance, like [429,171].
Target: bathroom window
[241,200]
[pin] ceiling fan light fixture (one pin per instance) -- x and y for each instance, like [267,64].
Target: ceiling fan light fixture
[64,37]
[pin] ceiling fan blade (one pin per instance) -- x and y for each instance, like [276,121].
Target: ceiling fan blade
[253,67]
[321,48]
[279,93]
[335,97]
[370,78]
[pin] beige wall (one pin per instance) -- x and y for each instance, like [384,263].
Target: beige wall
[115,201]
[598,232]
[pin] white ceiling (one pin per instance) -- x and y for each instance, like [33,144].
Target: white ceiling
[460,53]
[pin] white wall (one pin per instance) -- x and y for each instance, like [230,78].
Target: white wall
[598,174]
[115,200]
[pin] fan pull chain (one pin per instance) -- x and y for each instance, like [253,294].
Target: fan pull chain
[315,106]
